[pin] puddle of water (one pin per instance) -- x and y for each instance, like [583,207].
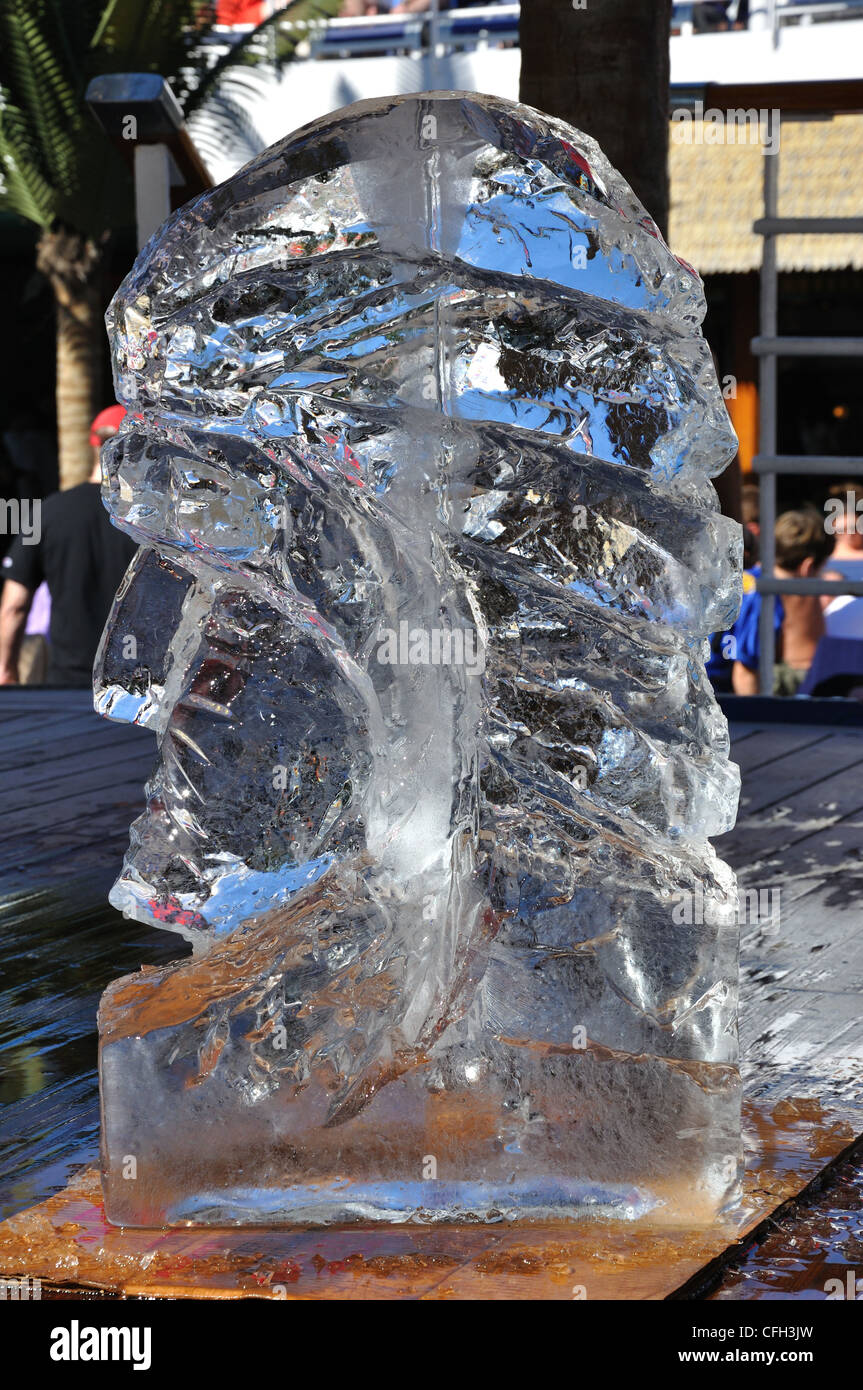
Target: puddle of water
[815,1251]
[59,953]
[60,950]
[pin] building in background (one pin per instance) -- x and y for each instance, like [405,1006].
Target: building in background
[805,59]
[717,195]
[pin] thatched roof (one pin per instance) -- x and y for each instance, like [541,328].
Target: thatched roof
[716,195]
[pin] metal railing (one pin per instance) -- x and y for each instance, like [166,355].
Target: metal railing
[769,347]
[449,31]
[772,15]
[453,31]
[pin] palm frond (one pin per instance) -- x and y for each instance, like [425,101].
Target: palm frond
[34,83]
[25,191]
[56,164]
[150,35]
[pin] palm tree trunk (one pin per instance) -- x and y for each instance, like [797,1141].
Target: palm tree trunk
[604,67]
[71,263]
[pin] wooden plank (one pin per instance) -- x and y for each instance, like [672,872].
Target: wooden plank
[50,724]
[60,741]
[14,723]
[773,829]
[801,768]
[801,986]
[100,862]
[800,989]
[802,975]
[767,711]
[60,950]
[76,780]
[65,1241]
[14,698]
[816,1239]
[802,969]
[738,730]
[763,748]
[73,826]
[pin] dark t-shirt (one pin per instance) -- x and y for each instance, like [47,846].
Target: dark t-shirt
[82,557]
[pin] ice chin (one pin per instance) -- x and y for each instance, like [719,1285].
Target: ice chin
[474,1135]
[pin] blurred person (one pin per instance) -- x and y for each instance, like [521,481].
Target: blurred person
[360,9]
[35,652]
[750,510]
[802,547]
[29,443]
[710,15]
[719,665]
[846,524]
[82,558]
[843,615]
[750,503]
[720,662]
[419,6]
[751,553]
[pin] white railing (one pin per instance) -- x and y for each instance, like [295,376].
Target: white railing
[772,15]
[449,31]
[454,31]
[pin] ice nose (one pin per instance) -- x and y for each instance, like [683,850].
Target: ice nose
[135,655]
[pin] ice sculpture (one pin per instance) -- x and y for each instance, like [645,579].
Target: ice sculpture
[421,426]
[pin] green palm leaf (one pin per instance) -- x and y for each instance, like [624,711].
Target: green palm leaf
[56,164]
[58,169]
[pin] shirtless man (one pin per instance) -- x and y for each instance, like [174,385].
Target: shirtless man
[802,546]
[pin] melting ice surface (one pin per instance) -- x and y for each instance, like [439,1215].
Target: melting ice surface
[420,437]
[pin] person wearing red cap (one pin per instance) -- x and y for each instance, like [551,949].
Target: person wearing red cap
[106,423]
[82,557]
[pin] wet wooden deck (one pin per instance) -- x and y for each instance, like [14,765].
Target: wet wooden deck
[70,786]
